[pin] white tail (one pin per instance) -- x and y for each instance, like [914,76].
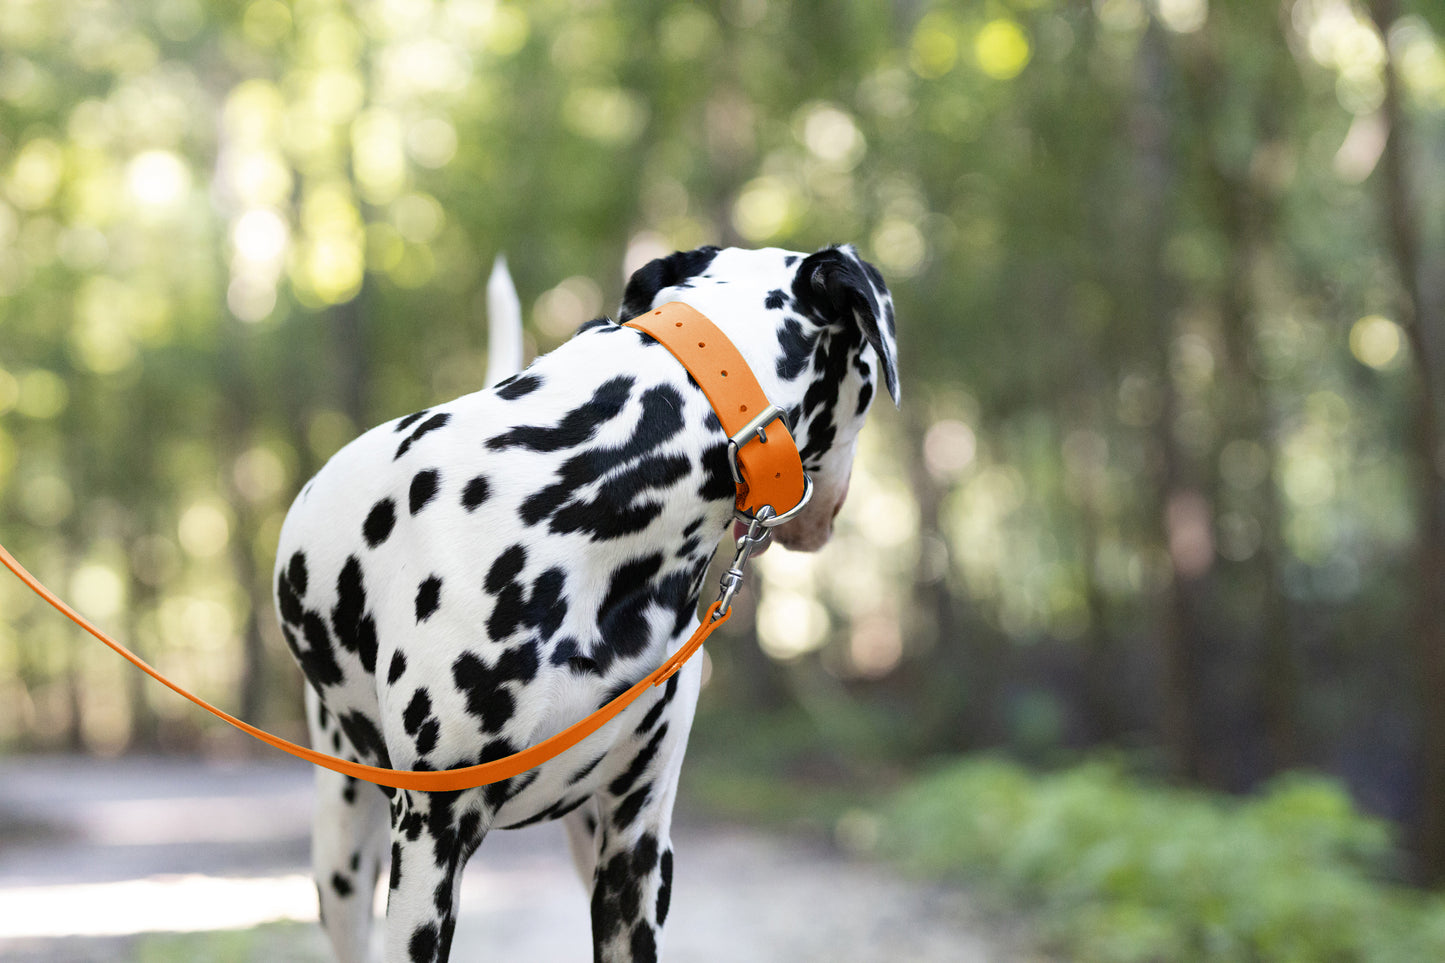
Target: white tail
[504,324]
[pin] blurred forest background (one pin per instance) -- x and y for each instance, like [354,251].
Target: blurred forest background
[1170,274]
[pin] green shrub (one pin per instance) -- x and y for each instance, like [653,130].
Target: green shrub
[1119,870]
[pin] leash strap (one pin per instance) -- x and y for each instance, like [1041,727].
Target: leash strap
[436,781]
[768,473]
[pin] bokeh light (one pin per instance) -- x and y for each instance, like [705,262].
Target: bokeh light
[158,178]
[1375,341]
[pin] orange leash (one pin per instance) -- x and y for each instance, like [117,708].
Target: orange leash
[735,394]
[437,781]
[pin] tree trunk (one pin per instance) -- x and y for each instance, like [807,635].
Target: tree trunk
[1179,502]
[1422,319]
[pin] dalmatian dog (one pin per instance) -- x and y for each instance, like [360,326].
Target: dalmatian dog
[461,583]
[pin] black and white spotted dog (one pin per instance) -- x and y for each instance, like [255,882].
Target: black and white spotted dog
[463,582]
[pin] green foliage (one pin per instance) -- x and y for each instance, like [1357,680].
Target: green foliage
[1120,870]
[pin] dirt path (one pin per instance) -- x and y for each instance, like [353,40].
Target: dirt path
[97,859]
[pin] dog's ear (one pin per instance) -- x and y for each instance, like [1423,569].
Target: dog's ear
[838,287]
[665,272]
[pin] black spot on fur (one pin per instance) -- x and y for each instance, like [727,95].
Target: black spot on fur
[426,736]
[555,811]
[621,616]
[423,489]
[655,713]
[411,419]
[341,885]
[428,596]
[365,737]
[506,568]
[644,855]
[318,659]
[296,572]
[518,386]
[717,478]
[442,895]
[507,612]
[484,686]
[631,807]
[547,607]
[623,783]
[423,944]
[576,427]
[797,349]
[644,943]
[614,892]
[355,630]
[864,397]
[431,424]
[379,522]
[475,493]
[585,771]
[775,299]
[398,666]
[288,600]
[416,711]
[563,651]
[499,793]
[664,892]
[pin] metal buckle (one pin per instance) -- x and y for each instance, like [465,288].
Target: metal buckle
[757,428]
[753,429]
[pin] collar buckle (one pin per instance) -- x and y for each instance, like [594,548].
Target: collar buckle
[754,429]
[767,516]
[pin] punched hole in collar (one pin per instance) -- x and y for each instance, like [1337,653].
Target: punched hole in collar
[702,344]
[724,373]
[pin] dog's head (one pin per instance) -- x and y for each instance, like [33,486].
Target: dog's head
[819,334]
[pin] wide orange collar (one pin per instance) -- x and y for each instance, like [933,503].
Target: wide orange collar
[763,457]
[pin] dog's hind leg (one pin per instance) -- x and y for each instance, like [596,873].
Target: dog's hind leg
[348,844]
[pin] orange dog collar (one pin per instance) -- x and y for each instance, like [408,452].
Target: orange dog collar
[766,465]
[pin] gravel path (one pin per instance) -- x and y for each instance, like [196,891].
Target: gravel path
[98,857]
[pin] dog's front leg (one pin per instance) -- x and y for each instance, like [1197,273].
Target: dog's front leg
[632,883]
[430,846]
